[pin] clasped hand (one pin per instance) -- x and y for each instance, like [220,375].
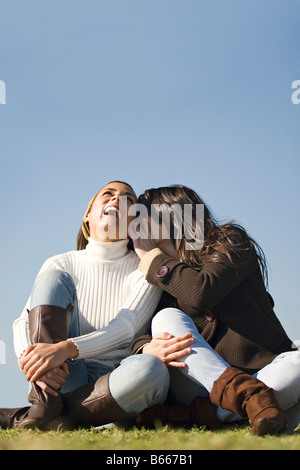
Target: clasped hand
[46,365]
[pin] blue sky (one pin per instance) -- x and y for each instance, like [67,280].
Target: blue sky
[155,93]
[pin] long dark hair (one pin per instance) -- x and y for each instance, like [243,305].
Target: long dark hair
[225,243]
[84,231]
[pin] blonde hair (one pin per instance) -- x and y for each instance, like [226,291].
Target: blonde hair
[84,231]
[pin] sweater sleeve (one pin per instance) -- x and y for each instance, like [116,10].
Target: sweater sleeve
[21,336]
[21,332]
[139,343]
[197,290]
[126,326]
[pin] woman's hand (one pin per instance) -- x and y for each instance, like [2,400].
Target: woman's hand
[143,246]
[53,380]
[144,243]
[170,349]
[42,357]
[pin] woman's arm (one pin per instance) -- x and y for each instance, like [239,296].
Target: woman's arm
[128,323]
[119,334]
[40,358]
[196,290]
[21,332]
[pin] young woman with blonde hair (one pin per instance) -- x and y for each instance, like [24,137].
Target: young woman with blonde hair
[205,344]
[85,309]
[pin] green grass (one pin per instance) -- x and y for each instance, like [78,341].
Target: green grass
[233,438]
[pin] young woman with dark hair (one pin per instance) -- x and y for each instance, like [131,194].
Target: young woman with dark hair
[208,352]
[217,294]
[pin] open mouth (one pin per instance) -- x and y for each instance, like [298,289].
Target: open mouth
[111,210]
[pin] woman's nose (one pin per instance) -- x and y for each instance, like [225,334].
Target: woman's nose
[115,198]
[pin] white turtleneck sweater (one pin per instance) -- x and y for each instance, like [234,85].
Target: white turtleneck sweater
[115,302]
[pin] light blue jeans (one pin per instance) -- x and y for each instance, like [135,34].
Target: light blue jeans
[55,287]
[204,366]
[143,380]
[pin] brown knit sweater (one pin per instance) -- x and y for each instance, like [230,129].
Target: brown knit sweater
[230,307]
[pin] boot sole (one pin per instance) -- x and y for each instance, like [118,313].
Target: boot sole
[269,426]
[30,424]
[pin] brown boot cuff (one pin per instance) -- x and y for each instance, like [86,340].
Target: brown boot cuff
[218,391]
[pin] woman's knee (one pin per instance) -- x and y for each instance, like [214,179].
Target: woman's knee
[53,287]
[283,375]
[146,369]
[139,382]
[157,370]
[173,321]
[165,316]
[54,277]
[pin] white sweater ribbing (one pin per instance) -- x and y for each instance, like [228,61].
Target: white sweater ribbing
[115,302]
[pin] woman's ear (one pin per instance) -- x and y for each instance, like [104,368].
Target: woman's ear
[86,219]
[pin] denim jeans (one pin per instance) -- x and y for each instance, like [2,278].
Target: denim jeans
[127,382]
[143,380]
[55,287]
[204,366]
[203,363]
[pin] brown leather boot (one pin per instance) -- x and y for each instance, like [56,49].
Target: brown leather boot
[201,412]
[91,405]
[247,396]
[164,415]
[47,324]
[10,416]
[204,413]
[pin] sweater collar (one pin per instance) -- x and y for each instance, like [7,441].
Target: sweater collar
[99,251]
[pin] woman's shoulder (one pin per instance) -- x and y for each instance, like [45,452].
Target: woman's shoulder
[62,259]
